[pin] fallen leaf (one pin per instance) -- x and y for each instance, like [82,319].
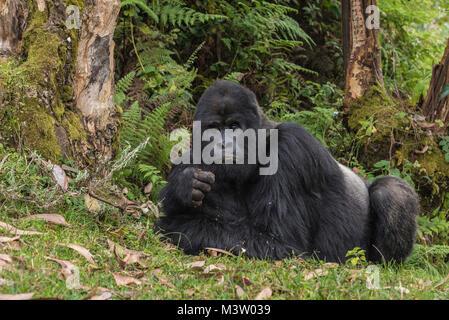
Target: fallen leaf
[315,273]
[68,268]
[191,292]
[92,204]
[213,268]
[264,294]
[7,239]
[196,265]
[124,251]
[60,176]
[239,291]
[209,250]
[220,282]
[131,256]
[20,296]
[124,280]
[424,150]
[81,250]
[402,289]
[5,258]
[104,296]
[13,230]
[49,217]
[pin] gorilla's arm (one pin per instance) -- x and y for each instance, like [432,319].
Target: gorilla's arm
[186,189]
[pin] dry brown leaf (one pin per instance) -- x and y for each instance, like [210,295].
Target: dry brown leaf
[214,252]
[196,265]
[104,293]
[214,268]
[5,262]
[59,174]
[67,267]
[49,217]
[81,250]
[13,245]
[124,251]
[13,230]
[92,204]
[402,290]
[20,296]
[220,282]
[424,150]
[315,273]
[264,294]
[124,280]
[7,239]
[104,296]
[157,273]
[131,256]
[239,291]
[191,292]
[5,257]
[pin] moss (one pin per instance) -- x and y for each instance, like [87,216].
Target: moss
[78,3]
[74,128]
[39,132]
[399,138]
[44,101]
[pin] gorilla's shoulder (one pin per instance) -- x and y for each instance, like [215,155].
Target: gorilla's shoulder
[302,155]
[292,134]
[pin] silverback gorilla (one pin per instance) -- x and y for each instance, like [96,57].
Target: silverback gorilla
[312,206]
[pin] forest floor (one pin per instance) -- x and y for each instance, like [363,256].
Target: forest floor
[119,257]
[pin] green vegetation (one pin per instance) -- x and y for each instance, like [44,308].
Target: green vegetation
[289,53]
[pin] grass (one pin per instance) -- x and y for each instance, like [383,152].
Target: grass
[164,272]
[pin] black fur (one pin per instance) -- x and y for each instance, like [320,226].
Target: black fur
[312,206]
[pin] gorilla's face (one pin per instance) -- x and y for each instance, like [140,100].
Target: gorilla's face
[228,107]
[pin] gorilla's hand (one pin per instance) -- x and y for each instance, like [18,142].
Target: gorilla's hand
[201,185]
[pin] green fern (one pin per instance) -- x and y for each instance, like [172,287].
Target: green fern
[136,130]
[121,88]
[141,4]
[179,16]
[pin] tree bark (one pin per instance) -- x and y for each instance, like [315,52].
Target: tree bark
[56,82]
[434,108]
[94,79]
[361,49]
[12,24]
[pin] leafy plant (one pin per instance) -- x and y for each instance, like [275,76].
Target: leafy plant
[357,256]
[444,144]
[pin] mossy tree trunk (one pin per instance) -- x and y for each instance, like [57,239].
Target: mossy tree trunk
[56,78]
[361,48]
[436,104]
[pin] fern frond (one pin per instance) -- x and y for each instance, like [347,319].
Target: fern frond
[143,6]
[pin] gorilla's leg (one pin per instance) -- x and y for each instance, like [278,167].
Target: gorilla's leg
[394,206]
